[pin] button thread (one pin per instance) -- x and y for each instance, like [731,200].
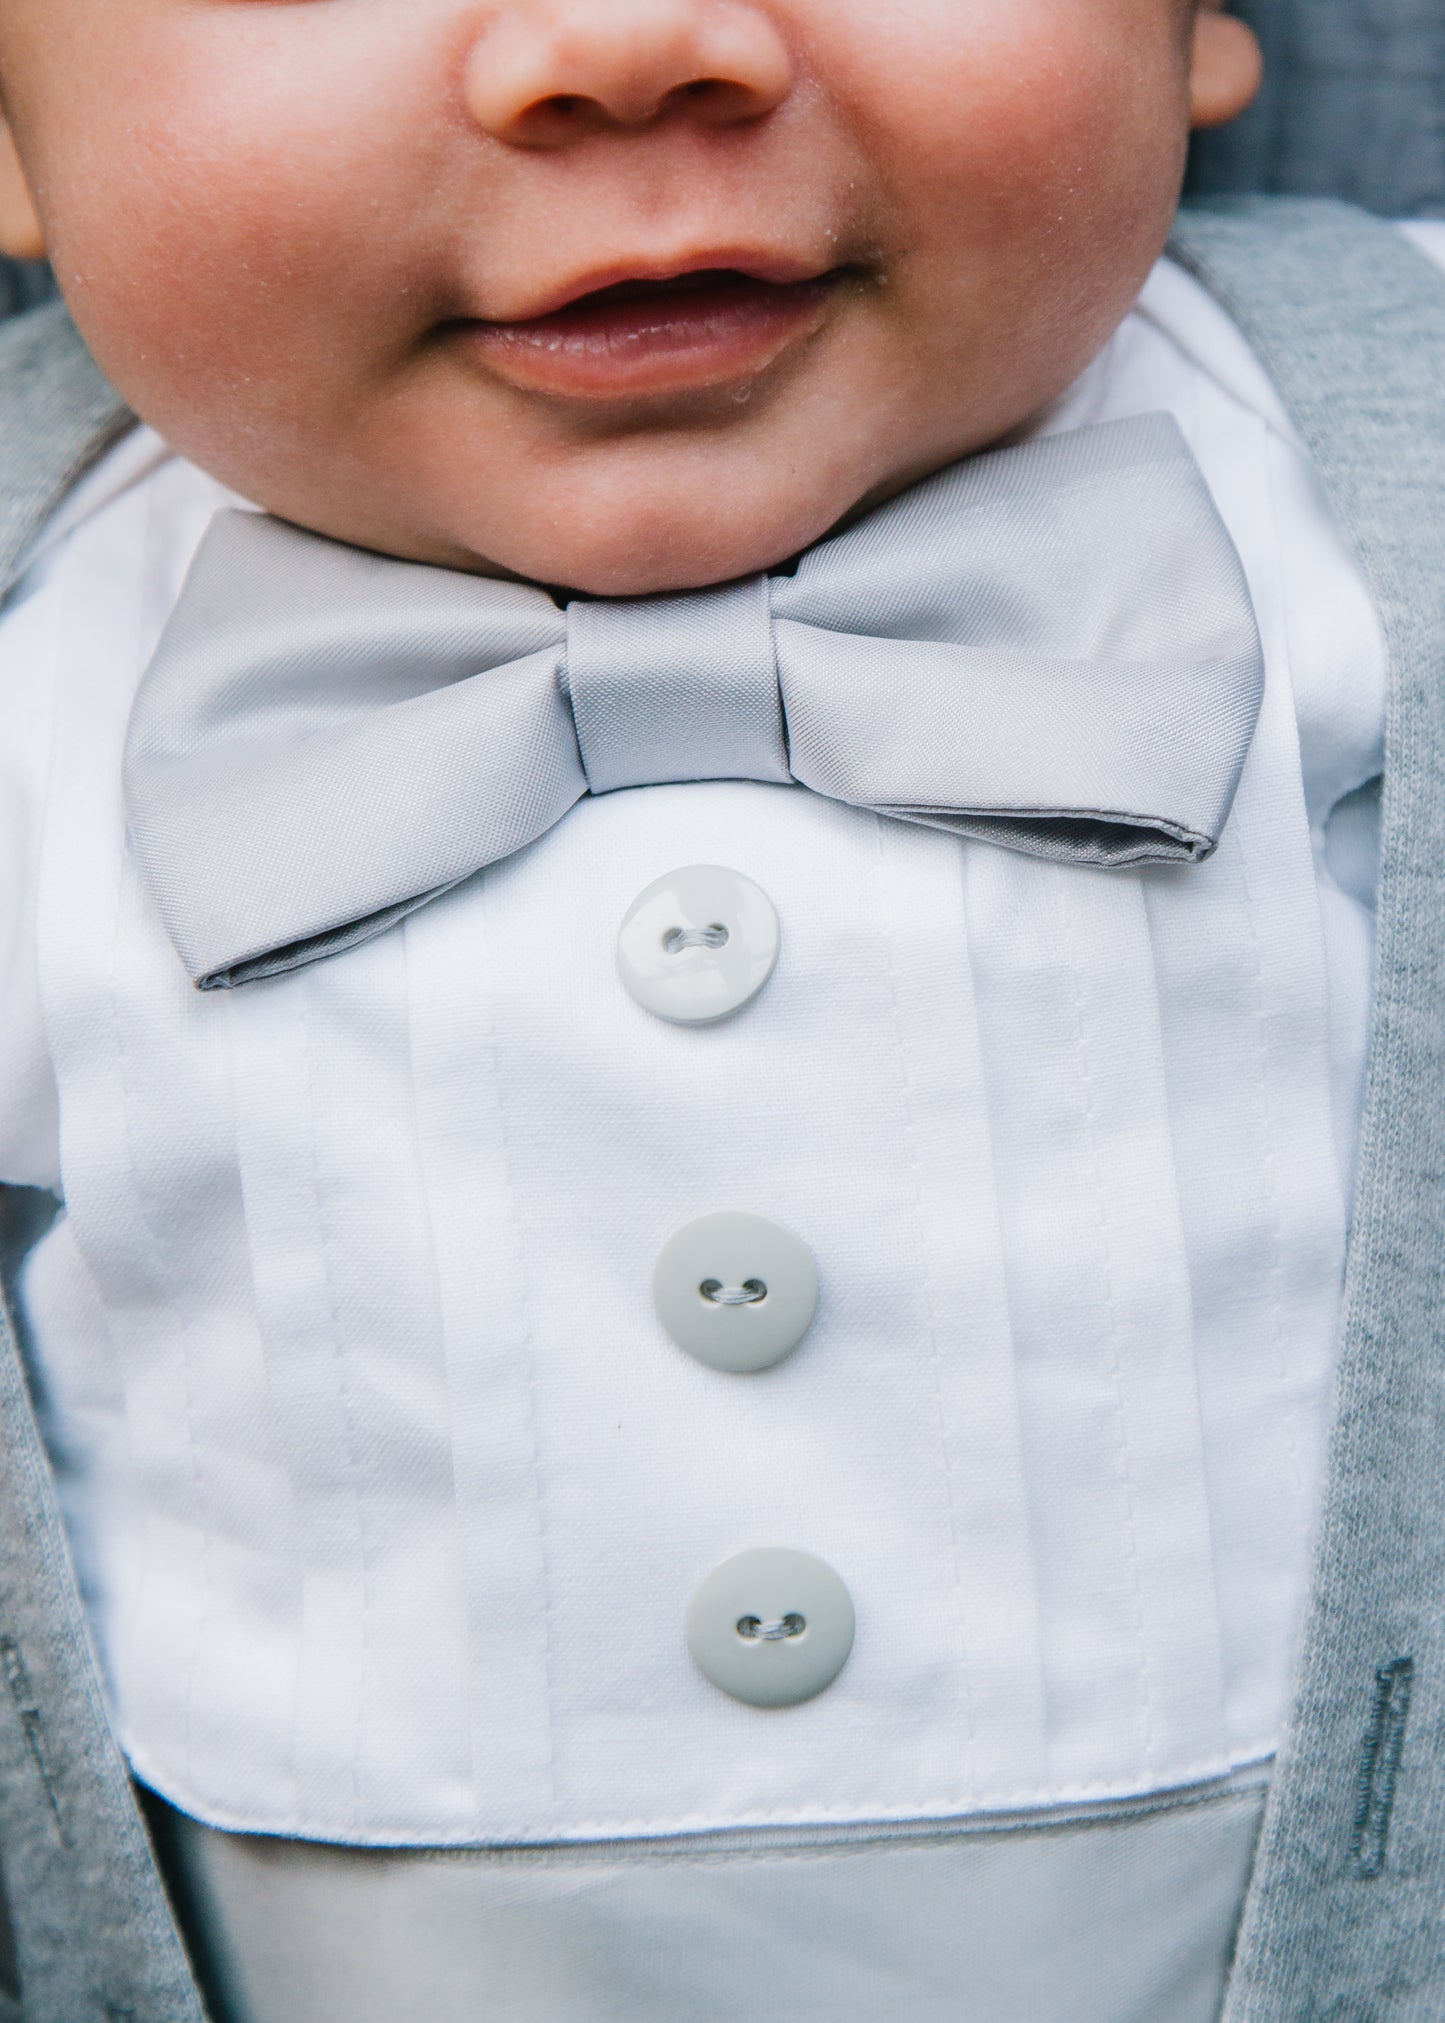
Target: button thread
[748,1294]
[774,1630]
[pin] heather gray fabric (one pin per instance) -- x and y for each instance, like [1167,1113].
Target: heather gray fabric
[1050,648]
[1346,1917]
[58,417]
[1125,1917]
[1353,106]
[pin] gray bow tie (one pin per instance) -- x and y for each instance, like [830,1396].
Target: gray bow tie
[1049,648]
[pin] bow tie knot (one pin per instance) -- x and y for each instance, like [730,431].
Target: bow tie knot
[1048,648]
[676,688]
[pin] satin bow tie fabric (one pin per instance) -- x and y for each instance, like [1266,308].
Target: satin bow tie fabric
[1049,648]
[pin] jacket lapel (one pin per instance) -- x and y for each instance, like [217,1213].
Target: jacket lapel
[1346,1913]
[58,417]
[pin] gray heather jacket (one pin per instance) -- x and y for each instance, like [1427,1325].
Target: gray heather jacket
[1346,1914]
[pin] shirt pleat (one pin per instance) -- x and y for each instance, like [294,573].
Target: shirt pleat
[973,1353]
[159,1236]
[346,1285]
[389,1488]
[1100,1297]
[1262,1202]
[490,1345]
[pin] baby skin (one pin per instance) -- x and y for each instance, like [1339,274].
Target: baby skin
[625,297]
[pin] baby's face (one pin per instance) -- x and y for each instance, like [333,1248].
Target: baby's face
[623,295]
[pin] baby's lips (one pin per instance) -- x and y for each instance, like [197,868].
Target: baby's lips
[633,339]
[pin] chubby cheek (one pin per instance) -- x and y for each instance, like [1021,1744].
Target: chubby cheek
[239,274]
[1008,100]
[1033,152]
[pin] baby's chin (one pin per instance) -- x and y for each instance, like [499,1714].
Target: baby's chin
[618,512]
[689,544]
[627,515]
[646,542]
[635,562]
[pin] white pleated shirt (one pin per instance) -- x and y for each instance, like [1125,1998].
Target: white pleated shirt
[388,1490]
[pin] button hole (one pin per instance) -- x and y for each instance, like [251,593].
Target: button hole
[677,939]
[747,1294]
[777,1630]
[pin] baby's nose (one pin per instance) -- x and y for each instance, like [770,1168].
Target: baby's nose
[545,72]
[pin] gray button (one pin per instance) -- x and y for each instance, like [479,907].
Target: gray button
[736,1291]
[771,1626]
[697,944]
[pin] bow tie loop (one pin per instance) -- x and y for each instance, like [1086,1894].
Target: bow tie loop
[1049,648]
[676,688]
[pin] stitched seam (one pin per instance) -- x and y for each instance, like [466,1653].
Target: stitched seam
[1269,1165]
[1026,1499]
[32,1726]
[244,1185]
[949,1804]
[343,1391]
[596,1856]
[965,1687]
[1266,1081]
[1116,1374]
[1207,1483]
[592,1853]
[528,1345]
[424,1180]
[162,1277]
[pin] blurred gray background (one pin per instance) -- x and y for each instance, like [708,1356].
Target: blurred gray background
[1353,106]
[21,286]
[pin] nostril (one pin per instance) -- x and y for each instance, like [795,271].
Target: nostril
[549,77]
[716,98]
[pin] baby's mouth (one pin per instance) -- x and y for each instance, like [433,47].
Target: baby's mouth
[712,326]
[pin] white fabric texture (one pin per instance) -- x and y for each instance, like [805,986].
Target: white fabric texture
[1110,1920]
[388,1491]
